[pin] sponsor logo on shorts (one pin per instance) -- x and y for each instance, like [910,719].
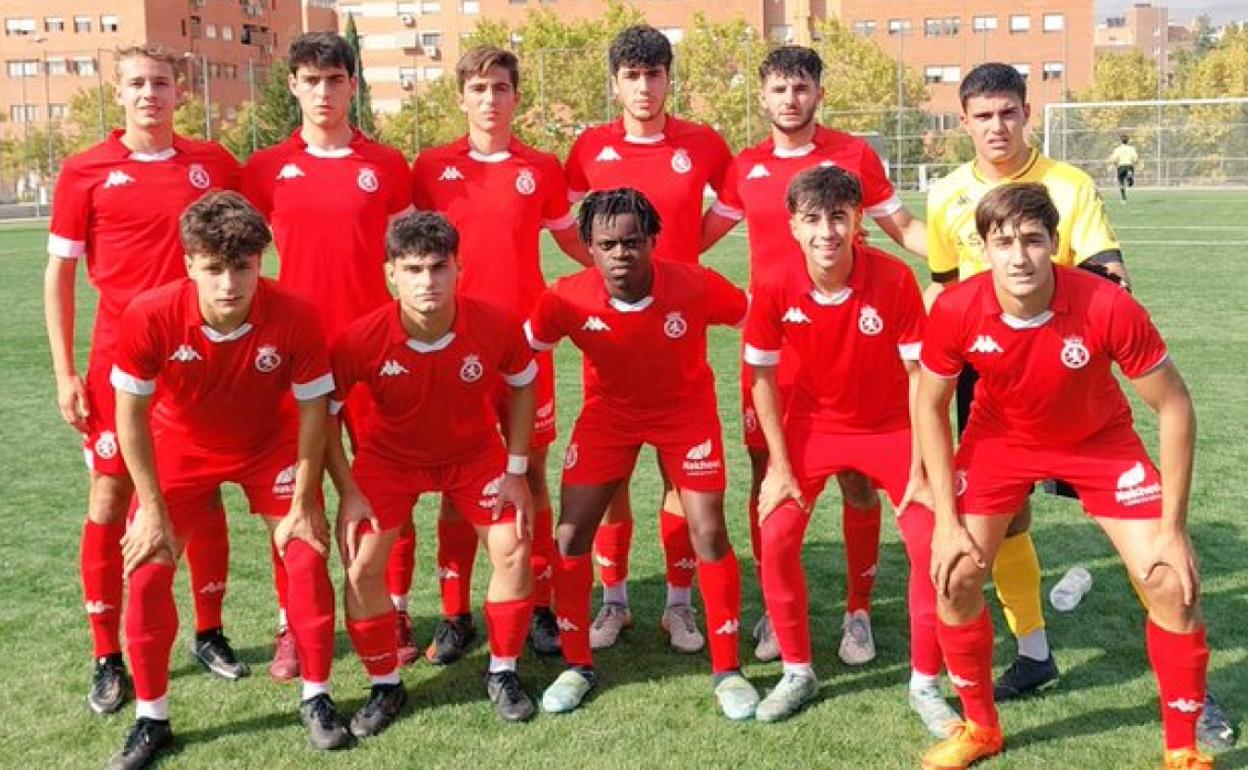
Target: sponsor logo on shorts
[570,457]
[284,483]
[198,177]
[566,625]
[217,587]
[97,607]
[472,369]
[959,483]
[698,461]
[117,179]
[681,162]
[984,344]
[451,174]
[687,564]
[544,417]
[1075,354]
[794,315]
[729,628]
[1133,491]
[526,184]
[367,180]
[447,573]
[595,324]
[674,325]
[489,493]
[185,354]
[960,682]
[749,420]
[392,368]
[106,445]
[1186,705]
[758,172]
[267,358]
[290,171]
[869,321]
[607,154]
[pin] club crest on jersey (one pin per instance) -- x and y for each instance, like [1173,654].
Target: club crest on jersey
[570,456]
[674,325]
[526,184]
[472,369]
[198,177]
[367,180]
[869,321]
[1075,354]
[749,420]
[267,358]
[106,445]
[681,162]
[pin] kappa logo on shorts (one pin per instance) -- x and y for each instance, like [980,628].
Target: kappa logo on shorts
[97,607]
[391,368]
[472,368]
[106,445]
[681,162]
[1075,354]
[526,183]
[984,344]
[595,324]
[696,460]
[290,171]
[869,321]
[570,457]
[607,154]
[960,482]
[284,482]
[794,315]
[197,175]
[1186,705]
[367,180]
[729,628]
[185,354]
[1131,487]
[749,420]
[118,179]
[674,325]
[267,358]
[758,172]
[451,174]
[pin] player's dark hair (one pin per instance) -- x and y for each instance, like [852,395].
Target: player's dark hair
[640,46]
[479,61]
[421,232]
[992,78]
[223,224]
[1014,204]
[823,188]
[605,205]
[791,61]
[1125,139]
[322,50]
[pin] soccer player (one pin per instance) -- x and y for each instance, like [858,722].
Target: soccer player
[755,188]
[1123,159]
[1044,338]
[498,193]
[328,193]
[995,113]
[853,317]
[631,317]
[671,162]
[434,364]
[117,204]
[220,354]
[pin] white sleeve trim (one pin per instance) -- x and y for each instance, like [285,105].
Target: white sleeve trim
[534,342]
[335,407]
[757,357]
[520,379]
[910,351]
[562,223]
[726,211]
[575,195]
[938,374]
[884,208]
[1165,358]
[65,248]
[321,386]
[128,383]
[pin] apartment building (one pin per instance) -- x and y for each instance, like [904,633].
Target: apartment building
[1145,28]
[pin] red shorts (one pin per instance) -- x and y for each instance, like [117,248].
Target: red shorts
[100,447]
[544,423]
[605,444]
[882,457]
[786,373]
[1111,473]
[471,486]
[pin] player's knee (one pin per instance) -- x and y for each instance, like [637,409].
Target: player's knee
[966,583]
[1164,591]
[366,572]
[780,541]
[109,498]
[510,556]
[709,537]
[573,540]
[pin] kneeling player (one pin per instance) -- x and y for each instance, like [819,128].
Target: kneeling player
[1043,339]
[432,365]
[853,317]
[632,318]
[221,352]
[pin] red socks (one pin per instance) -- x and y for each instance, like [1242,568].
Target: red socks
[311,610]
[279,576]
[917,523]
[611,547]
[784,581]
[720,583]
[543,556]
[1180,662]
[151,627]
[677,550]
[374,641]
[208,557]
[508,624]
[756,540]
[101,567]
[457,551]
[968,658]
[574,581]
[402,561]
[861,529]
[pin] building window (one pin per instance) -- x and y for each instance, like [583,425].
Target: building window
[54,24]
[210,31]
[56,112]
[984,23]
[22,113]
[1054,70]
[517,2]
[58,67]
[19,26]
[1020,23]
[1023,69]
[108,24]
[942,73]
[227,32]
[23,68]
[780,33]
[899,26]
[1054,22]
[941,27]
[864,28]
[430,41]
[84,65]
[82,25]
[469,7]
[431,6]
[407,78]
[432,73]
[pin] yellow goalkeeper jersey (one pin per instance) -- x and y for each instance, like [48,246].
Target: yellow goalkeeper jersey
[1124,155]
[953,243]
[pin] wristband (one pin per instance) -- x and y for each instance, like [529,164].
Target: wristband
[517,465]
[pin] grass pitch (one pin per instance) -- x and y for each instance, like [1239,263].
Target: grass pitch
[655,708]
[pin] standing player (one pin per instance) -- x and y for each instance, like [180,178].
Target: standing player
[671,162]
[328,192]
[755,190]
[1044,339]
[1123,159]
[498,193]
[631,317]
[853,317]
[117,204]
[434,364]
[220,354]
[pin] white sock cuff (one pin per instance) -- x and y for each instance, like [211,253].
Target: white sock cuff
[391,678]
[801,669]
[677,596]
[281,617]
[399,602]
[313,689]
[921,681]
[501,664]
[1034,645]
[617,593]
[152,709]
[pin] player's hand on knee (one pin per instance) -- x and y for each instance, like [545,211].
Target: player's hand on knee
[514,490]
[71,399]
[353,510]
[303,523]
[147,538]
[951,544]
[1173,549]
[917,491]
[777,487]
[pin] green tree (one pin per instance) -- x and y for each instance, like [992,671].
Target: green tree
[190,117]
[716,81]
[1121,76]
[362,106]
[92,113]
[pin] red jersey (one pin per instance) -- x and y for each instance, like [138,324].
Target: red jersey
[228,393]
[329,212]
[671,169]
[1047,380]
[648,357]
[434,401]
[759,178]
[121,209]
[850,347]
[499,203]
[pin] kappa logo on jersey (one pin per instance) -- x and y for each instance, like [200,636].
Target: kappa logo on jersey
[869,321]
[1075,354]
[749,420]
[570,456]
[106,445]
[198,177]
[1131,487]
[290,171]
[267,358]
[674,325]
[699,460]
[794,315]
[472,369]
[758,172]
[447,573]
[681,162]
[607,154]
[960,482]
[984,344]
[97,607]
[526,183]
[185,354]
[595,324]
[284,482]
[729,628]
[217,587]
[565,624]
[960,682]
[367,180]
[1186,705]
[118,179]
[451,174]
[392,368]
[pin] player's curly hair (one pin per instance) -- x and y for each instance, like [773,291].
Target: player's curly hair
[605,205]
[992,78]
[321,50]
[1015,203]
[223,224]
[823,188]
[791,61]
[421,232]
[640,46]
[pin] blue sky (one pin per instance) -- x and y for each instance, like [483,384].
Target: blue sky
[1181,10]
